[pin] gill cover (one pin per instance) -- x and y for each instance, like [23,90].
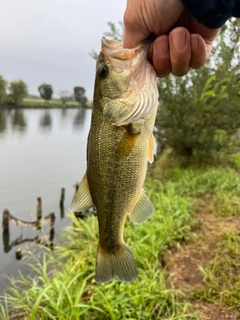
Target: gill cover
[127,82]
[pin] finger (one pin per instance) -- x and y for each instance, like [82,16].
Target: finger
[209,49]
[161,57]
[133,36]
[180,51]
[199,53]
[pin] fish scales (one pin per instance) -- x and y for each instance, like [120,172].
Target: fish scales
[117,177]
[117,154]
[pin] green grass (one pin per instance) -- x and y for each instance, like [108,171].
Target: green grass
[53,103]
[62,285]
[69,291]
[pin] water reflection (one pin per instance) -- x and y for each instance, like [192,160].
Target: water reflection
[3,120]
[18,120]
[46,120]
[63,113]
[6,238]
[7,244]
[79,118]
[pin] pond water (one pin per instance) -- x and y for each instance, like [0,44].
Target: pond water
[41,152]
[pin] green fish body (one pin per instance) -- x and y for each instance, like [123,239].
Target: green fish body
[120,144]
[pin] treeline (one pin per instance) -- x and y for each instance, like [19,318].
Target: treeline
[199,114]
[15,92]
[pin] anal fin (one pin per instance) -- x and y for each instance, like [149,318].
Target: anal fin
[142,210]
[82,199]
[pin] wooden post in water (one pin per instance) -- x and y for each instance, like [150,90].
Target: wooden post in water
[62,197]
[61,212]
[5,221]
[52,220]
[76,186]
[18,253]
[6,241]
[39,208]
[52,232]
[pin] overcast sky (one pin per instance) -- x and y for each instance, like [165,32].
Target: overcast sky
[50,40]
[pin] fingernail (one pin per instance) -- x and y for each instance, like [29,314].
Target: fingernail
[194,43]
[161,46]
[179,40]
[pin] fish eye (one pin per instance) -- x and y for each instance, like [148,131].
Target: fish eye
[102,71]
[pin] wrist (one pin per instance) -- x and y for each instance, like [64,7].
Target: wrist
[212,14]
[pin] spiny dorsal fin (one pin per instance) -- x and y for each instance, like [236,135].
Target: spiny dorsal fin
[142,211]
[82,199]
[151,149]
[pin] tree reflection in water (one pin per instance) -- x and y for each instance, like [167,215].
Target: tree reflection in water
[3,120]
[18,120]
[46,120]
[79,118]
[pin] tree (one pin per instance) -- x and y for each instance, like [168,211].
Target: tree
[3,86]
[45,91]
[17,92]
[115,33]
[79,95]
[199,113]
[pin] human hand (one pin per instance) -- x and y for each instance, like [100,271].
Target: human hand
[180,42]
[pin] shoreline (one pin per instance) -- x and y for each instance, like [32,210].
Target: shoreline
[10,107]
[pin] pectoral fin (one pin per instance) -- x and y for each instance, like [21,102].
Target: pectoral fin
[142,211]
[151,149]
[82,199]
[127,144]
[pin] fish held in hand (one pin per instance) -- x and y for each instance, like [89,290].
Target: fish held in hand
[120,144]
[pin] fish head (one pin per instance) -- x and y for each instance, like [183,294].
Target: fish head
[125,83]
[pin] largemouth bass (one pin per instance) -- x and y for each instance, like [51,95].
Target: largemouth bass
[120,144]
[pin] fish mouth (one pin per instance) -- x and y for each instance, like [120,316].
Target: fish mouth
[111,44]
[114,49]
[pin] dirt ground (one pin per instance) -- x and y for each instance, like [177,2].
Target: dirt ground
[184,265]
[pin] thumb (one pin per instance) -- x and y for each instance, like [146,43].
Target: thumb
[136,29]
[133,35]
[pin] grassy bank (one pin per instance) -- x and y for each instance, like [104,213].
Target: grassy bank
[195,211]
[37,103]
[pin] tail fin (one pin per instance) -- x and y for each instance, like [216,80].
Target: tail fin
[119,264]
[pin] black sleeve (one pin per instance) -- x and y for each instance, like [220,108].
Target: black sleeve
[213,13]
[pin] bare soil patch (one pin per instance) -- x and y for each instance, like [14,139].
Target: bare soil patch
[208,311]
[184,265]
